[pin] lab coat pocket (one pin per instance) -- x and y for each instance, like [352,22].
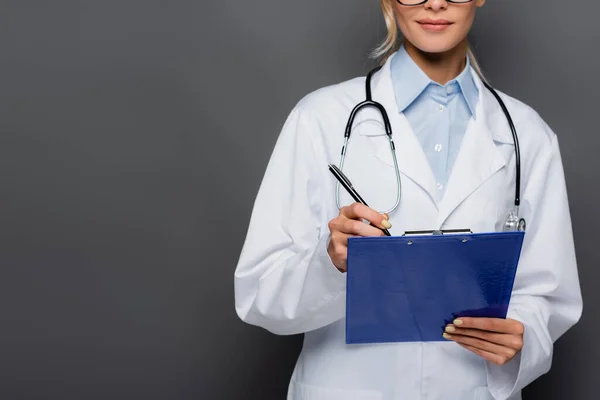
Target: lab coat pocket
[482,393]
[299,391]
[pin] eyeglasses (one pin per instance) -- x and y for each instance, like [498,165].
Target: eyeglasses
[419,2]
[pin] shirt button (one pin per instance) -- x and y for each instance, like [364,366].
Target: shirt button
[440,107]
[440,186]
[449,90]
[438,147]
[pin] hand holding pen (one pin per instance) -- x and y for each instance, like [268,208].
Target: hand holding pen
[349,223]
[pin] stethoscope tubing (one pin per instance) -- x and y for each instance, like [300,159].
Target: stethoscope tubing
[388,130]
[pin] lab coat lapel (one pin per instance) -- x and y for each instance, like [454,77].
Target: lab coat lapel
[479,157]
[412,161]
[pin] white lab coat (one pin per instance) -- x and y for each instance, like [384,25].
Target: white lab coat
[286,283]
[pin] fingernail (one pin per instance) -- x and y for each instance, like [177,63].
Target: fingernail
[457,322]
[450,329]
[386,224]
[386,216]
[446,336]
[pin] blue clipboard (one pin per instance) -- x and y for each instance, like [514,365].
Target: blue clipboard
[408,288]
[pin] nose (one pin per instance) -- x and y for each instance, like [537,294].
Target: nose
[436,5]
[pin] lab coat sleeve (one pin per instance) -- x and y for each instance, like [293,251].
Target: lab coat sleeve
[285,281]
[546,295]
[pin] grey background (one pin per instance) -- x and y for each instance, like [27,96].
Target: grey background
[133,138]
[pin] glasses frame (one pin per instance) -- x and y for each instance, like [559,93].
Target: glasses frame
[425,1]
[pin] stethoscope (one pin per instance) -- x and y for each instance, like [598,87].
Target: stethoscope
[513,221]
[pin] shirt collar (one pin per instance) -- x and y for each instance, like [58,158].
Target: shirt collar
[410,81]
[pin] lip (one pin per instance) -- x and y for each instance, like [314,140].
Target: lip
[435,25]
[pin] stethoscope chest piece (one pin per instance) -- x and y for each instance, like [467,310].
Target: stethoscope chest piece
[522,225]
[514,223]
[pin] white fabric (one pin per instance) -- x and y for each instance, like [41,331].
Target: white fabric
[286,283]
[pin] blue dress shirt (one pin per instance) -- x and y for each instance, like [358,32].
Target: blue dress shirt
[438,114]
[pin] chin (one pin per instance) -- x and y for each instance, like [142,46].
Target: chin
[435,45]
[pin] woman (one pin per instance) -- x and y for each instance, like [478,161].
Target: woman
[456,156]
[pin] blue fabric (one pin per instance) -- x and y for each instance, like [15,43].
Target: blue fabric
[438,114]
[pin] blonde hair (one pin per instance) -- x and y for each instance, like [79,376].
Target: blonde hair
[393,41]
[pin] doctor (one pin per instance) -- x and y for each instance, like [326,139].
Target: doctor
[456,158]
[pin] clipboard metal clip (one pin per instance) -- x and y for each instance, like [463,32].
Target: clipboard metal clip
[437,232]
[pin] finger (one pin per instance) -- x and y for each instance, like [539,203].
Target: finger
[503,339]
[501,351]
[342,228]
[359,228]
[360,211]
[493,358]
[491,324]
[339,239]
[352,227]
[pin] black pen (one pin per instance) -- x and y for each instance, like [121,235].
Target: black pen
[345,182]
